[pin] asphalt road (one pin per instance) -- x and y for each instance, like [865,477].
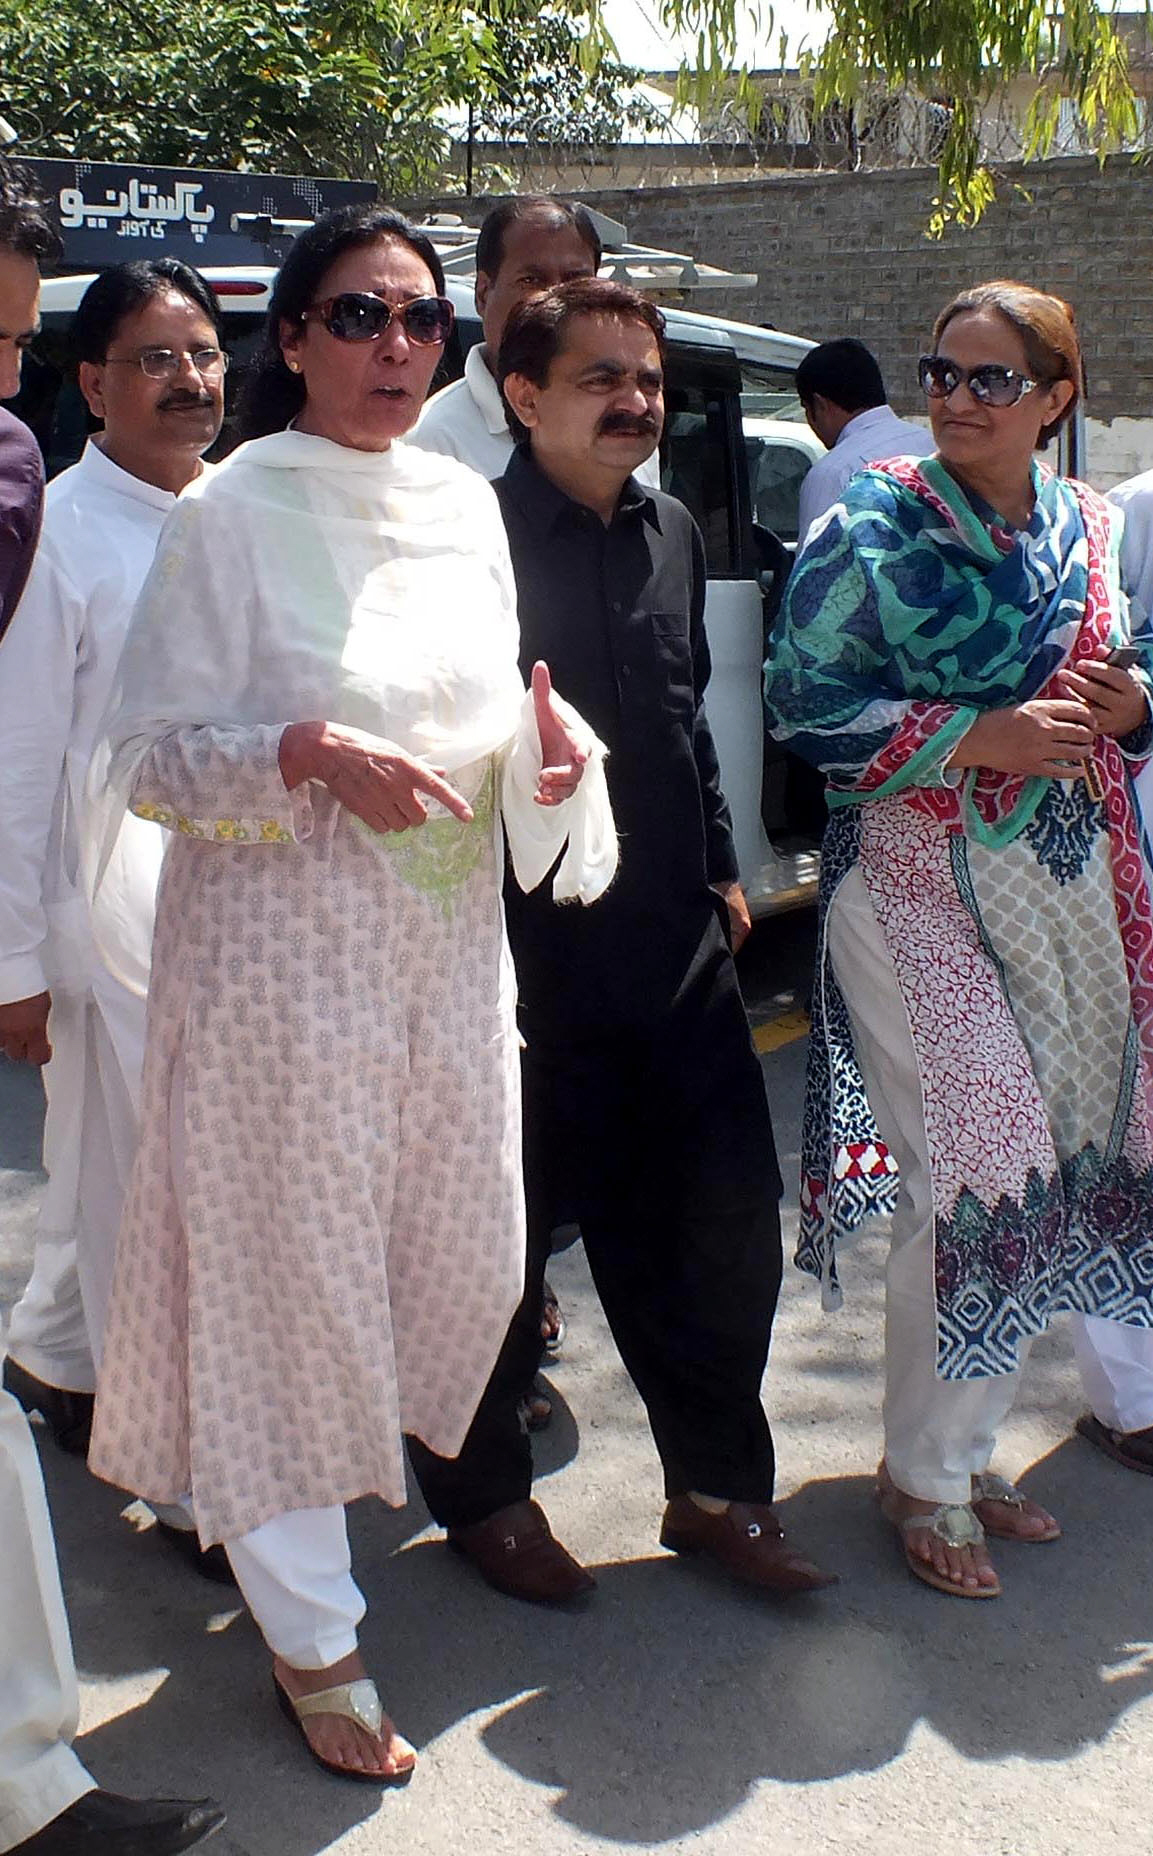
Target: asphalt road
[677,1713]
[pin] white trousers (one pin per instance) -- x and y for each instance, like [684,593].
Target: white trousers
[93,1086]
[296,1576]
[1116,1370]
[40,1775]
[940,1432]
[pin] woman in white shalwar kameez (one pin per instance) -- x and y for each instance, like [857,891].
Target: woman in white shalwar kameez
[324,1238]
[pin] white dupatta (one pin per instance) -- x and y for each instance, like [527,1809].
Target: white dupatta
[305,580]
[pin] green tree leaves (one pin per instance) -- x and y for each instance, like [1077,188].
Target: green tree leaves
[960,52]
[345,87]
[354,87]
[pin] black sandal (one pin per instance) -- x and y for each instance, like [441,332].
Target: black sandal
[1133,1449]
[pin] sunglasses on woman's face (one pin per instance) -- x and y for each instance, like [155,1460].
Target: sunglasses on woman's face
[990,384]
[362,316]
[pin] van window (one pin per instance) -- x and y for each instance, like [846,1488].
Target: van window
[776,471]
[702,461]
[768,392]
[778,464]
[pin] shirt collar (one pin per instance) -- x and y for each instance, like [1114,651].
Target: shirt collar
[110,476]
[481,383]
[542,499]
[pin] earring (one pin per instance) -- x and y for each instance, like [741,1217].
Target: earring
[294,367]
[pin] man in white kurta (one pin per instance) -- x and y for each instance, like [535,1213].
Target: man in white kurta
[1116,1362]
[49,1803]
[74,972]
[526,244]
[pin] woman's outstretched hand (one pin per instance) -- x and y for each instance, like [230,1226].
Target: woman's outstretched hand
[1115,698]
[563,754]
[375,779]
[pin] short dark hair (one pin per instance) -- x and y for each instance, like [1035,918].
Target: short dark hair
[490,239]
[272,396]
[123,289]
[534,333]
[843,371]
[25,228]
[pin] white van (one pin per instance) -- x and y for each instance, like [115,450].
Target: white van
[736,447]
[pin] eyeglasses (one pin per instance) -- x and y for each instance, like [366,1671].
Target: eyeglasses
[991,384]
[362,316]
[166,363]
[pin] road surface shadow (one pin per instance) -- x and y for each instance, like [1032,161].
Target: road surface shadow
[654,1712]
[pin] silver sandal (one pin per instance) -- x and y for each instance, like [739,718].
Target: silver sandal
[987,1487]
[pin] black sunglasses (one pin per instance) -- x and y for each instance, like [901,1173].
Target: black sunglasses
[362,316]
[990,385]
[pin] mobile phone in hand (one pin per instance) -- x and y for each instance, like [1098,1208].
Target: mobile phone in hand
[1124,657]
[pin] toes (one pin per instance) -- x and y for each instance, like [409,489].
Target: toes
[344,1744]
[1040,1520]
[923,1545]
[401,1754]
[959,1567]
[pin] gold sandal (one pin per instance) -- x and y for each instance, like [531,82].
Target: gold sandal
[990,1488]
[353,1701]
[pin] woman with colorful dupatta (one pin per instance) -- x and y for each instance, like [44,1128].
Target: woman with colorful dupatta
[981,1062]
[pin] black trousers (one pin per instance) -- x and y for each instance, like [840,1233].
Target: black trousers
[658,1139]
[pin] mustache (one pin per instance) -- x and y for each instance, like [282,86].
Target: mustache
[637,425]
[177,402]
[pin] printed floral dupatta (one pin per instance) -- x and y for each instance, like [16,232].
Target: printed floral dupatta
[908,613]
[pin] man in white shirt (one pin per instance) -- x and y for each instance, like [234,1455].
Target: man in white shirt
[74,966]
[1117,1362]
[843,395]
[527,244]
[1135,500]
[49,1803]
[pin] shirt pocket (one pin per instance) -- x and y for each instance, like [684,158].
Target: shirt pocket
[673,663]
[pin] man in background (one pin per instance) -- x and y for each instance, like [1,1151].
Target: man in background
[49,1803]
[843,395]
[526,244]
[74,963]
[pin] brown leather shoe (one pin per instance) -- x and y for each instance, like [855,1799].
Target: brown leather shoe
[1132,1448]
[747,1540]
[516,1551]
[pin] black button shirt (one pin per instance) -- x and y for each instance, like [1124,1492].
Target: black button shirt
[617,614]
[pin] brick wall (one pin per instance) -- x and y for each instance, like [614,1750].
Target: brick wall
[846,254]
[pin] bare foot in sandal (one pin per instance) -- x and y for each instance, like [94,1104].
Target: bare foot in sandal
[964,1569]
[1008,1515]
[340,1743]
